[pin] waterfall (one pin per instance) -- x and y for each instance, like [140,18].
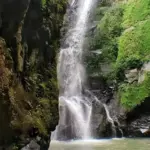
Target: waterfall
[75,109]
[110,120]
[75,101]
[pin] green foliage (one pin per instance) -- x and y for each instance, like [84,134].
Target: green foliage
[132,95]
[39,123]
[43,3]
[106,38]
[134,47]
[134,51]
[136,10]
[111,22]
[123,38]
[29,111]
[54,4]
[99,12]
[108,29]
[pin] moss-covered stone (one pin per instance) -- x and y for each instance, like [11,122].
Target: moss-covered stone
[134,51]
[135,11]
[134,46]
[134,94]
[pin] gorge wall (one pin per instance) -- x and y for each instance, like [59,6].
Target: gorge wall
[29,41]
[118,62]
[117,65]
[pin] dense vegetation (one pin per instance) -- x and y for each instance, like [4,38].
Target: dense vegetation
[29,39]
[121,39]
[134,50]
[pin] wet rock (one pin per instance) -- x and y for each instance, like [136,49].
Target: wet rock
[106,68]
[104,125]
[32,146]
[105,128]
[144,130]
[101,89]
[138,120]
[132,75]
[139,127]
[135,75]
[144,69]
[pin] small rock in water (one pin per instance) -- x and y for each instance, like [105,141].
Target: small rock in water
[32,146]
[143,130]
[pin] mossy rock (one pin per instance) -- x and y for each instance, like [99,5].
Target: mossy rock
[134,94]
[135,11]
[134,47]
[105,39]
[134,51]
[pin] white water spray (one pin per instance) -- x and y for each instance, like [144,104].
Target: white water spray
[75,109]
[110,119]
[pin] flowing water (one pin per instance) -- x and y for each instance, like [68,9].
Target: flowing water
[116,144]
[75,109]
[75,101]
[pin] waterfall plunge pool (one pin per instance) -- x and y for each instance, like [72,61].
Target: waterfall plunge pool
[105,144]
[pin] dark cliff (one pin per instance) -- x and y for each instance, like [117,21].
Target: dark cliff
[29,41]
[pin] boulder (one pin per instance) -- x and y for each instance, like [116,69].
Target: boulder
[32,146]
[137,75]
[138,120]
[144,70]
[131,75]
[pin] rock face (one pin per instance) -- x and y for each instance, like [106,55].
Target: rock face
[32,146]
[5,74]
[145,69]
[106,122]
[118,66]
[138,120]
[133,123]
[132,75]
[29,40]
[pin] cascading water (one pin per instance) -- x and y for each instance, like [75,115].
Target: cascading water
[75,108]
[110,120]
[75,102]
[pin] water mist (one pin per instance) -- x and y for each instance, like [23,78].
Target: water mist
[74,108]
